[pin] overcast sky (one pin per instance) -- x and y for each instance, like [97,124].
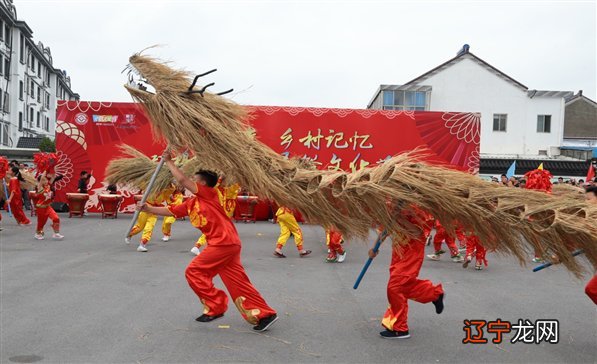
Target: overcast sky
[316,53]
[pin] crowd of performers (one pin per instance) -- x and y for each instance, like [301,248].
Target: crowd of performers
[210,209]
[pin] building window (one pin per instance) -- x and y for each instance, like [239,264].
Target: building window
[404,100]
[20,121]
[22,49]
[543,123]
[499,122]
[38,120]
[1,31]
[7,35]
[32,89]
[38,94]
[6,102]
[21,90]
[47,124]
[7,68]
[32,63]
[5,133]
[30,117]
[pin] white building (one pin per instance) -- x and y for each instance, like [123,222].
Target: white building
[30,85]
[516,122]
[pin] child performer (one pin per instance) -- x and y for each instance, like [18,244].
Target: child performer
[404,283]
[227,197]
[474,248]
[442,235]
[43,208]
[334,240]
[288,225]
[174,199]
[15,196]
[146,221]
[220,257]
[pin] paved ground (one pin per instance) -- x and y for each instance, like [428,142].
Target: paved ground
[91,298]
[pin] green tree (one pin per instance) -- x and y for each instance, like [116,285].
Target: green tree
[47,145]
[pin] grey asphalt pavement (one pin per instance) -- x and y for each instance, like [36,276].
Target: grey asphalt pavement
[93,299]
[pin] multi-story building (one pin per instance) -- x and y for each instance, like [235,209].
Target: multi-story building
[30,84]
[517,123]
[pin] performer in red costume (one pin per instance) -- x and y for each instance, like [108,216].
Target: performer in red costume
[404,283]
[43,208]
[336,253]
[220,257]
[474,249]
[442,235]
[15,197]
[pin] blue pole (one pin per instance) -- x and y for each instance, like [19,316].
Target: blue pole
[6,194]
[545,265]
[380,239]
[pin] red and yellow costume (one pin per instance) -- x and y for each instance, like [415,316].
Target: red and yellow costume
[147,221]
[174,199]
[442,235]
[334,240]
[220,257]
[227,197]
[43,208]
[16,203]
[288,226]
[404,283]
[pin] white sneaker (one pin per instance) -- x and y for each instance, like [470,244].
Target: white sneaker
[195,250]
[57,236]
[127,240]
[433,256]
[38,236]
[141,248]
[166,238]
[341,257]
[457,259]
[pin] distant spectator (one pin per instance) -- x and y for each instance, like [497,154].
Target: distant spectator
[83,182]
[560,180]
[581,182]
[504,180]
[513,181]
[523,183]
[573,181]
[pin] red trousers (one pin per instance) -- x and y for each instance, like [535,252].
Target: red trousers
[474,248]
[43,213]
[335,241]
[591,289]
[225,261]
[404,285]
[16,208]
[442,235]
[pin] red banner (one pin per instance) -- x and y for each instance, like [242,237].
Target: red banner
[88,134]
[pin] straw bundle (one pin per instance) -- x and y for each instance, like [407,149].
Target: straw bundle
[508,220]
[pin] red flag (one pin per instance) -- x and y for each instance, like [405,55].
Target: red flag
[590,173]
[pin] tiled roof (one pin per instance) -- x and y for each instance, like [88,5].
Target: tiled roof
[556,167]
[29,142]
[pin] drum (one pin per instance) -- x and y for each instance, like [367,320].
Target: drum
[76,203]
[32,199]
[109,205]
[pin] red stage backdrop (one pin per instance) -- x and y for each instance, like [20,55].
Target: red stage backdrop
[88,134]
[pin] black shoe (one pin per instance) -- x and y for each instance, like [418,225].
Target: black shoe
[389,334]
[265,323]
[439,304]
[208,318]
